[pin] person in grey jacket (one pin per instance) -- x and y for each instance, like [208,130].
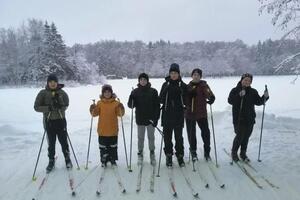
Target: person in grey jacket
[53,101]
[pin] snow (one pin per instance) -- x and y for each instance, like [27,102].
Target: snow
[21,133]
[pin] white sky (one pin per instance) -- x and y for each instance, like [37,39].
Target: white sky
[84,21]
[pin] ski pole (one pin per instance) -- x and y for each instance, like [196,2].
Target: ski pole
[213,129]
[161,144]
[131,130]
[40,149]
[73,151]
[124,140]
[88,153]
[262,126]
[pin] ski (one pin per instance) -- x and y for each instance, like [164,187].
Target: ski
[152,177]
[119,180]
[263,177]
[188,182]
[203,179]
[245,171]
[217,179]
[171,181]
[139,178]
[71,181]
[43,182]
[99,190]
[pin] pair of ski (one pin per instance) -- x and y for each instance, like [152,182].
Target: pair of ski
[187,180]
[139,178]
[213,172]
[116,174]
[242,166]
[45,180]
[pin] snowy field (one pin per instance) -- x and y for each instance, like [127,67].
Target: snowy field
[21,133]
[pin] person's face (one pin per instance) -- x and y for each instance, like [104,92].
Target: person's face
[196,77]
[246,82]
[52,85]
[143,81]
[174,75]
[107,94]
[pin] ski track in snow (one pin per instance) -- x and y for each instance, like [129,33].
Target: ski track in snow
[21,133]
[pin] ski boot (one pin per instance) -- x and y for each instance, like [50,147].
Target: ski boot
[244,157]
[194,156]
[50,166]
[180,161]
[69,164]
[234,157]
[207,157]
[169,162]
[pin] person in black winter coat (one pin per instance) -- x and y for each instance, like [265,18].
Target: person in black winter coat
[172,97]
[243,98]
[145,100]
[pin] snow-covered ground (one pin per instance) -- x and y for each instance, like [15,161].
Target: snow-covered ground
[21,133]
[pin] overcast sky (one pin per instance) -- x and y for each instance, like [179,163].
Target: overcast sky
[85,21]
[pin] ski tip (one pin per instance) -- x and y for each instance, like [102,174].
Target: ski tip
[73,193]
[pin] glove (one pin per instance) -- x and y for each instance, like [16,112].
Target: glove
[242,93]
[266,94]
[211,100]
[92,107]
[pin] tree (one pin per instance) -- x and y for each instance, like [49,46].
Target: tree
[286,15]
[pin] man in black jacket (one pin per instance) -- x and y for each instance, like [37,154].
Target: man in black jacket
[145,99]
[243,98]
[172,97]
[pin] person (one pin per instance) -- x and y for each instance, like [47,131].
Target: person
[172,95]
[147,110]
[198,95]
[243,98]
[108,109]
[53,101]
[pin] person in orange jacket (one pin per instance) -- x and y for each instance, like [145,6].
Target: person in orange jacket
[108,109]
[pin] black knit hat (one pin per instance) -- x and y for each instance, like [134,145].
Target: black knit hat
[174,68]
[197,70]
[52,77]
[247,75]
[144,75]
[106,87]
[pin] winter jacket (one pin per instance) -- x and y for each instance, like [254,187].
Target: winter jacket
[46,98]
[196,100]
[145,100]
[172,97]
[250,99]
[108,111]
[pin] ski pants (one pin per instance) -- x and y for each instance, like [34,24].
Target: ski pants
[57,128]
[205,134]
[108,148]
[141,137]
[168,133]
[243,133]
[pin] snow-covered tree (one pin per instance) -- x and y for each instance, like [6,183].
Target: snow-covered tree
[286,15]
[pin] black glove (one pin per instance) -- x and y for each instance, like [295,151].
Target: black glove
[211,100]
